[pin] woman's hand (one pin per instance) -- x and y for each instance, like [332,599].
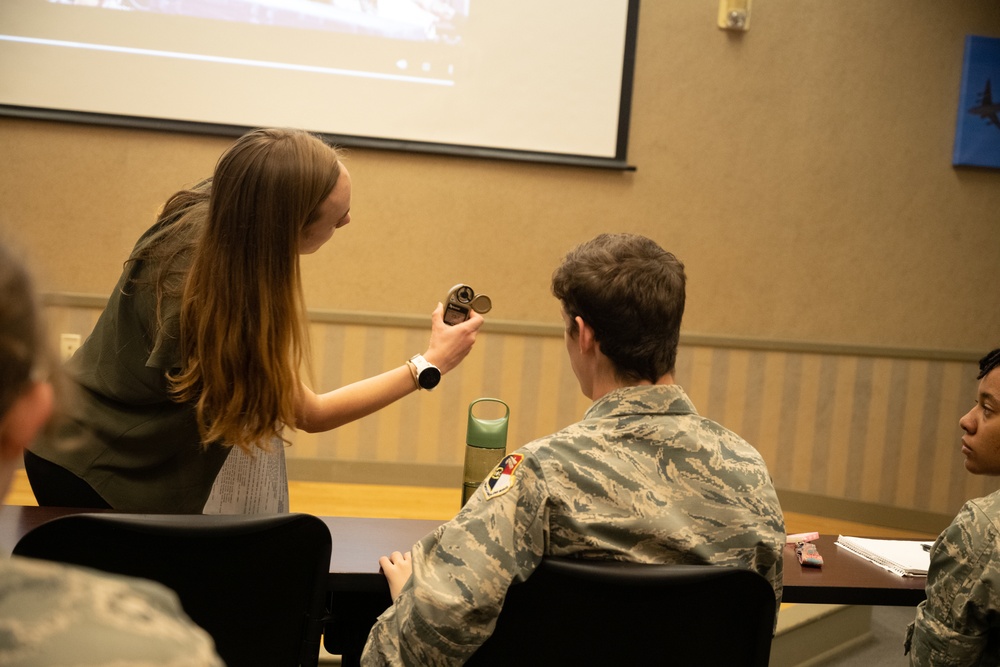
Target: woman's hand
[397,569]
[451,343]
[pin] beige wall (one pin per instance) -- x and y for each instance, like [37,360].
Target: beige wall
[802,171]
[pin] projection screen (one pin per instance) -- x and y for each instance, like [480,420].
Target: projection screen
[545,80]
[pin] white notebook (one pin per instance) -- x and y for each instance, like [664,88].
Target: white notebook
[907,558]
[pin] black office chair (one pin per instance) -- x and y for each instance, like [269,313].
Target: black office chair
[256,584]
[591,612]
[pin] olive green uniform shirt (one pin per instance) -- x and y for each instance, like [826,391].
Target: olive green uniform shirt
[119,429]
[642,478]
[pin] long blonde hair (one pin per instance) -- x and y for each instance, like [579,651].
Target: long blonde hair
[242,321]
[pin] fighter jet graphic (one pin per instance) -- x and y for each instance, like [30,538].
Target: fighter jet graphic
[987,109]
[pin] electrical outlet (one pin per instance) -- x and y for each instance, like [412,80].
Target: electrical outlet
[734,15]
[68,343]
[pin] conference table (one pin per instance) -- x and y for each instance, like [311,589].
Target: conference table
[846,578]
[359,593]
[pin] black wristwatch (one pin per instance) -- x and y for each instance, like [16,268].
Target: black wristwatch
[426,374]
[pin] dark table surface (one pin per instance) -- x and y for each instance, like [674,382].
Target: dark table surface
[357,543]
[846,578]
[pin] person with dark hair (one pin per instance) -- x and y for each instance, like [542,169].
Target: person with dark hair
[641,478]
[53,614]
[959,622]
[200,347]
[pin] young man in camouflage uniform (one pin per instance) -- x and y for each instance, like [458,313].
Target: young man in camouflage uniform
[641,478]
[959,623]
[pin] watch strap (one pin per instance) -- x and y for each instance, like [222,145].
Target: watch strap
[413,373]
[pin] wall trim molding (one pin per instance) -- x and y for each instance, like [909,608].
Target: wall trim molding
[375,472]
[931,523]
[517,328]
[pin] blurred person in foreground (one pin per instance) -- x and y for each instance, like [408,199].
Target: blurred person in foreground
[52,614]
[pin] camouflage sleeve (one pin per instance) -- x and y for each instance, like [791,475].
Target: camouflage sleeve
[462,571]
[953,625]
[52,614]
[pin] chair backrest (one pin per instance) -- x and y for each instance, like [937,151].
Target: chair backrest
[591,612]
[256,584]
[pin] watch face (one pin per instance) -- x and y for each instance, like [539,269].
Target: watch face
[429,377]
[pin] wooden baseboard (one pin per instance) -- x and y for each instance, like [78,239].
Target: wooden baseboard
[429,475]
[920,521]
[373,472]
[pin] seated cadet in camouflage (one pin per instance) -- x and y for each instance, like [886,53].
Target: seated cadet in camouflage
[52,614]
[641,478]
[959,623]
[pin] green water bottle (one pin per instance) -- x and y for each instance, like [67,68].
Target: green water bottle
[485,446]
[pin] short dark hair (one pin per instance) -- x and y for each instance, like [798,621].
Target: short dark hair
[631,292]
[988,363]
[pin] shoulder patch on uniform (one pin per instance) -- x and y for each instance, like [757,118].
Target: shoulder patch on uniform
[502,478]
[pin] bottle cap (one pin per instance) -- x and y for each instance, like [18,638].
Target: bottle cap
[487,433]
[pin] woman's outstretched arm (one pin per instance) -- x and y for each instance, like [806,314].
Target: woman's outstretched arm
[448,346]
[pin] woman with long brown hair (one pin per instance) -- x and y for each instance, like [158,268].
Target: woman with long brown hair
[202,341]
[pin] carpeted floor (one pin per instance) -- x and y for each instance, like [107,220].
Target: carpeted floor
[885,646]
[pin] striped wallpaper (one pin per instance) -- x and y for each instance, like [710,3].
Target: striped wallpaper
[858,426]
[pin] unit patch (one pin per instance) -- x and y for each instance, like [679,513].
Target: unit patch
[502,478]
